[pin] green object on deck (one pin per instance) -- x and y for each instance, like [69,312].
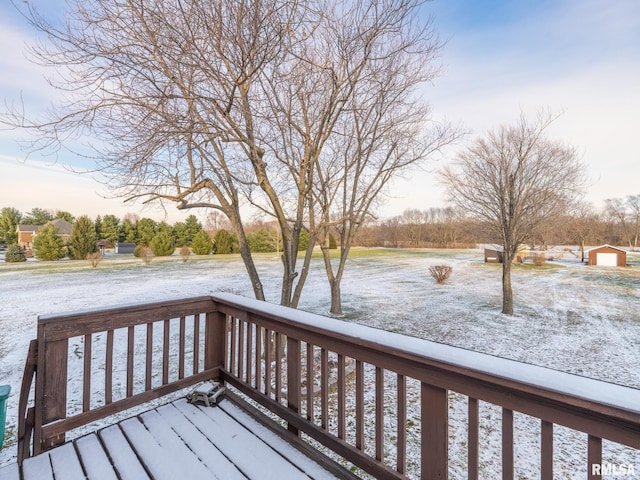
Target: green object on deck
[4,394]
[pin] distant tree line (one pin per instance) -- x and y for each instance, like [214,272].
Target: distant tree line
[161,237]
[617,223]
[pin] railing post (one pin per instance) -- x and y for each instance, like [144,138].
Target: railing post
[293,378]
[435,433]
[215,340]
[52,394]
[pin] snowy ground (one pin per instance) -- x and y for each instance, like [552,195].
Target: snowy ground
[571,317]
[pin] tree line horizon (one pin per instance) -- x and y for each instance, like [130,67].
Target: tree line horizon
[617,223]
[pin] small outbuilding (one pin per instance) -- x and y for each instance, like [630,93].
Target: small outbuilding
[121,247]
[605,256]
[493,254]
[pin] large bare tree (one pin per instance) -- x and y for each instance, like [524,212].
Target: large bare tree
[219,103]
[515,179]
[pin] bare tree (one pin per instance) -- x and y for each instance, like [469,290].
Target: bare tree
[515,179]
[210,104]
[625,214]
[385,133]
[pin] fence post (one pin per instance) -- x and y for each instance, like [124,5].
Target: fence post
[53,390]
[215,340]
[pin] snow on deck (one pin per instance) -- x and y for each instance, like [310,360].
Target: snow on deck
[177,440]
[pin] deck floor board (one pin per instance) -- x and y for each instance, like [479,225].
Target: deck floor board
[177,440]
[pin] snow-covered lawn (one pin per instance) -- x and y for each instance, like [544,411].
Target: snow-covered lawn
[570,317]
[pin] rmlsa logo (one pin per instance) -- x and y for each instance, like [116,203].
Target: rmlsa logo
[612,469]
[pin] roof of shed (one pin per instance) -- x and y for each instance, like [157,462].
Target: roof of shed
[606,246]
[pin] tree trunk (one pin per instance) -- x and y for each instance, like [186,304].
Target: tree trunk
[336,298]
[247,258]
[507,292]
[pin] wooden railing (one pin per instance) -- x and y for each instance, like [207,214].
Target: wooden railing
[126,356]
[390,405]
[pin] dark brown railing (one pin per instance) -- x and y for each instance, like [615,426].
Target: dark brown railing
[389,404]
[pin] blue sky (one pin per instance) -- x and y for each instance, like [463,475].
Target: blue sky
[500,58]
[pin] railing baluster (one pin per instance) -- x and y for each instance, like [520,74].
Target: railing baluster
[130,357]
[359,405]
[401,448]
[233,367]
[108,370]
[341,398]
[507,444]
[196,343]
[379,414]
[249,361]
[278,367]
[149,357]
[434,433]
[165,352]
[241,341]
[472,439]
[181,348]
[258,382]
[267,362]
[324,388]
[594,457]
[310,382]
[293,378]
[546,451]
[86,375]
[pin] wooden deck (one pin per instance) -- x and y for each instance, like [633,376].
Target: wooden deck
[174,441]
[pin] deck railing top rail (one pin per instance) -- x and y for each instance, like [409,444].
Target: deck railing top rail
[527,377]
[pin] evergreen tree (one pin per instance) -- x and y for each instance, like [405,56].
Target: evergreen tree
[48,245]
[65,216]
[83,239]
[147,229]
[9,220]
[110,229]
[180,234]
[223,242]
[193,226]
[14,254]
[162,244]
[202,243]
[129,231]
[98,225]
[262,241]
[37,216]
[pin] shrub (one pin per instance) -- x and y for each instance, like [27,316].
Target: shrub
[202,243]
[145,253]
[184,253]
[14,254]
[539,259]
[440,272]
[94,258]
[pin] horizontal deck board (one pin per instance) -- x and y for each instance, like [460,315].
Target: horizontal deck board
[177,440]
[124,459]
[95,459]
[256,459]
